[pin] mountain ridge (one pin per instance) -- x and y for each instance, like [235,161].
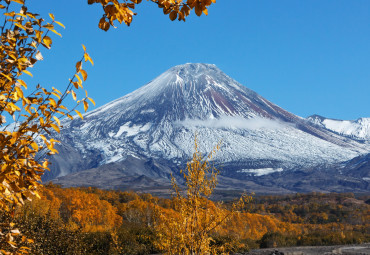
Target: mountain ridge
[358,129]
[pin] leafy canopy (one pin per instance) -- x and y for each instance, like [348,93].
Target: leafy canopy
[122,11]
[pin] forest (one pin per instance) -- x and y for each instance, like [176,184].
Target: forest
[95,221]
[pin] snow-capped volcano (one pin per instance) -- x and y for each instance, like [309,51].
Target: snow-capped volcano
[190,91]
[158,121]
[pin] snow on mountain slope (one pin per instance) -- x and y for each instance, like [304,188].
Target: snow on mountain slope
[359,129]
[159,121]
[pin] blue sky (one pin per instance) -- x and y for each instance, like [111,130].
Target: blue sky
[309,57]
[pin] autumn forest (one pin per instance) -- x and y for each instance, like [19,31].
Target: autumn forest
[94,221]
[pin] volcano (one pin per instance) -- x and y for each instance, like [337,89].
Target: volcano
[144,136]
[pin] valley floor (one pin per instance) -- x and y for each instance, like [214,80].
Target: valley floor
[359,249]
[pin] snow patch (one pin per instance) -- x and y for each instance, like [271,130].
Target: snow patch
[132,130]
[260,171]
[115,158]
[179,80]
[234,122]
[147,111]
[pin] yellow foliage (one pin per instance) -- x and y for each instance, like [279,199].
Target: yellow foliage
[122,11]
[84,209]
[34,114]
[189,231]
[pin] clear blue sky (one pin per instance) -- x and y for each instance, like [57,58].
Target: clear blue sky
[309,57]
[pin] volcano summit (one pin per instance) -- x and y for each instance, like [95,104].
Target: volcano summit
[138,139]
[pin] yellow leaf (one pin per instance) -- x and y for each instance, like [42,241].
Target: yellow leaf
[52,102]
[60,24]
[79,79]
[83,46]
[55,94]
[57,120]
[86,105]
[91,61]
[63,107]
[11,14]
[74,95]
[43,138]
[56,90]
[55,32]
[7,76]
[19,92]
[12,244]
[84,74]
[16,96]
[45,164]
[21,82]
[19,25]
[51,16]
[88,58]
[27,72]
[35,146]
[24,248]
[38,196]
[91,100]
[18,1]
[47,41]
[79,114]
[14,107]
[55,127]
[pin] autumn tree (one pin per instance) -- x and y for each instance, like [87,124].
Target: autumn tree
[30,114]
[189,231]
